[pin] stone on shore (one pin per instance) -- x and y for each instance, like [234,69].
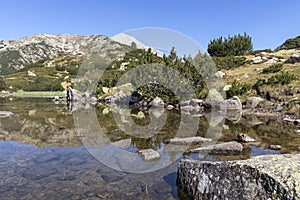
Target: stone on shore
[245,138]
[4,114]
[262,177]
[228,148]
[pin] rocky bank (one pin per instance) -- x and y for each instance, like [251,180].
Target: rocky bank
[262,177]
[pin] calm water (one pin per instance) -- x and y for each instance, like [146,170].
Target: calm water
[46,152]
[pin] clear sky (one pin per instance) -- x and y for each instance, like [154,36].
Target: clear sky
[269,22]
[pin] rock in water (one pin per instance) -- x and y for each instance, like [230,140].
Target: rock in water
[223,148]
[188,140]
[262,177]
[149,155]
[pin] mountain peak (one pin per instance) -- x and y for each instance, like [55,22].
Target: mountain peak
[126,39]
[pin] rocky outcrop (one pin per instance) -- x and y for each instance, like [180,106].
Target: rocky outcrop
[262,177]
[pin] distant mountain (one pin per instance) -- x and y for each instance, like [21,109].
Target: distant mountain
[129,40]
[15,54]
[292,43]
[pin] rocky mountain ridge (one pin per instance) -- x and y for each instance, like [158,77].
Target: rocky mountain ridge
[15,54]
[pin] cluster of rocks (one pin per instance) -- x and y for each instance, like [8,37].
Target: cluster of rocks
[267,58]
[288,56]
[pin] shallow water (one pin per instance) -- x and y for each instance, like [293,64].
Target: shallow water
[46,152]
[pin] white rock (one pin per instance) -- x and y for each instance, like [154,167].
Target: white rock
[226,87]
[170,107]
[257,60]
[219,74]
[30,73]
[105,90]
[245,138]
[4,114]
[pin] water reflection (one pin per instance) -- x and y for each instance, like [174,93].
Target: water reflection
[42,154]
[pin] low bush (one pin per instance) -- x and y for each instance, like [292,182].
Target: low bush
[282,78]
[238,89]
[273,68]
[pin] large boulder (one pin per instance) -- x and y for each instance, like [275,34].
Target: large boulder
[262,177]
[233,103]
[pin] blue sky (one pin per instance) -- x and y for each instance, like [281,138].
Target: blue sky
[269,22]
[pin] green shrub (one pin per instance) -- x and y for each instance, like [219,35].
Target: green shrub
[60,67]
[238,45]
[273,68]
[238,89]
[229,62]
[73,70]
[282,78]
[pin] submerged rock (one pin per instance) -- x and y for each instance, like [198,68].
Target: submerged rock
[262,177]
[228,148]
